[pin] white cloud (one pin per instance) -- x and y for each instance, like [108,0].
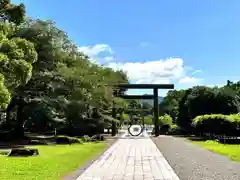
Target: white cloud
[162,71]
[159,71]
[109,58]
[196,71]
[94,51]
[189,80]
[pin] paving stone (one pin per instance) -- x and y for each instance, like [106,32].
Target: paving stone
[130,159]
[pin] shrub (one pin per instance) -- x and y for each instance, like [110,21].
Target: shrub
[202,100]
[235,119]
[86,138]
[148,120]
[174,126]
[217,124]
[176,130]
[67,140]
[165,123]
[125,116]
[165,120]
[37,142]
[98,137]
[164,129]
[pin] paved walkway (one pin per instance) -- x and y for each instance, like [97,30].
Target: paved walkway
[130,159]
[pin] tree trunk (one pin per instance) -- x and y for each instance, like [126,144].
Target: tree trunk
[19,129]
[12,104]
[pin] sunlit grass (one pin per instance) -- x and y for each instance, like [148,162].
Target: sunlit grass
[232,151]
[53,162]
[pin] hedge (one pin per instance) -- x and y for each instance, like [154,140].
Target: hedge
[217,124]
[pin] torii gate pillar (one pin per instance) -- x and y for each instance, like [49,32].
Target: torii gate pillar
[156,112]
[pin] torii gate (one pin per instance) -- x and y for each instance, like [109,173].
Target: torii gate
[155,88]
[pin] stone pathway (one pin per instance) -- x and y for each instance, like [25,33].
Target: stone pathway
[130,159]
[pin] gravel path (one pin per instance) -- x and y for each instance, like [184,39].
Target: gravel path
[191,162]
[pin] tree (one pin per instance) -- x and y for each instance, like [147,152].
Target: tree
[170,103]
[12,13]
[233,86]
[43,70]
[16,58]
[4,94]
[202,100]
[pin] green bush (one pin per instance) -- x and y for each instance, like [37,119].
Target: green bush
[37,142]
[174,126]
[202,100]
[164,129]
[217,124]
[165,120]
[171,129]
[125,116]
[98,137]
[86,138]
[67,140]
[148,120]
[176,130]
[165,123]
[235,120]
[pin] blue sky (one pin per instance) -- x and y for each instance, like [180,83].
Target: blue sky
[156,41]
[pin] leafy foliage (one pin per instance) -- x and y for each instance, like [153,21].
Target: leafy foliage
[204,109]
[4,93]
[45,82]
[11,12]
[165,120]
[16,58]
[217,124]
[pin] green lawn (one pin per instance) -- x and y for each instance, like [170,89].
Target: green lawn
[52,164]
[232,151]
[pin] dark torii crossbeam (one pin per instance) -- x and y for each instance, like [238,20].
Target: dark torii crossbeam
[155,88]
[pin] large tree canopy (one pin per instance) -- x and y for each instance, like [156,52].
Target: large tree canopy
[189,107]
[11,12]
[42,69]
[16,58]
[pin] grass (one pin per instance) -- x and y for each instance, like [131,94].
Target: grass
[53,162]
[232,151]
